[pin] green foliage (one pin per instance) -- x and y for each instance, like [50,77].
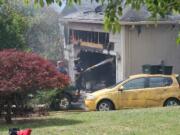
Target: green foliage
[44,97]
[157,8]
[42,2]
[12,27]
[48,96]
[178,39]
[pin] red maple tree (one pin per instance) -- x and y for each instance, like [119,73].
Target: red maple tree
[27,72]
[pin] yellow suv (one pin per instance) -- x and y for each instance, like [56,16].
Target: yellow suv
[143,90]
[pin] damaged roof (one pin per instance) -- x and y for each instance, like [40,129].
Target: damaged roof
[85,11]
[93,12]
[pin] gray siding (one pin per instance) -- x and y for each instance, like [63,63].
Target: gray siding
[150,45]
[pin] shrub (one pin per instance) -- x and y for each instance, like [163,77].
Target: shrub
[23,73]
[43,97]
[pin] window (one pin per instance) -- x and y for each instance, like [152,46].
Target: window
[159,82]
[178,79]
[138,83]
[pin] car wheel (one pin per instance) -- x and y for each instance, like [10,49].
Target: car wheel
[172,102]
[64,102]
[105,106]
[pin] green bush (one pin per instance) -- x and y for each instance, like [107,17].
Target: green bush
[43,97]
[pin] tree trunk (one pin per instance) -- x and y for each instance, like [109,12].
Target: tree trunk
[8,114]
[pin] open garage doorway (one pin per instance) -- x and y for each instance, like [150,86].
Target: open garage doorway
[95,70]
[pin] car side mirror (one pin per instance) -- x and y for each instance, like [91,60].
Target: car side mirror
[121,88]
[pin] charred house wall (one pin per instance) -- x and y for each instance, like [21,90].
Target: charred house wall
[89,47]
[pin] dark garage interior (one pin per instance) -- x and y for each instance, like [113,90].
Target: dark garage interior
[102,75]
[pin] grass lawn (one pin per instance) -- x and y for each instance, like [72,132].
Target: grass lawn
[154,121]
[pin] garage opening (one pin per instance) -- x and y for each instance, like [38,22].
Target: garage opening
[95,70]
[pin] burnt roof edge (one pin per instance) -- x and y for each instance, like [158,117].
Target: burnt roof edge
[121,22]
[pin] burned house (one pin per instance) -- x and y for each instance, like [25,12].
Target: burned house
[92,61]
[94,65]
[101,58]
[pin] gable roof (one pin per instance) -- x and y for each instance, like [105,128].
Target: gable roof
[87,13]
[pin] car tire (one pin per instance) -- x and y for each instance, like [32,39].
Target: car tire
[171,102]
[64,102]
[105,105]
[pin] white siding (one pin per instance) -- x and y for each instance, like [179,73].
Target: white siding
[116,39]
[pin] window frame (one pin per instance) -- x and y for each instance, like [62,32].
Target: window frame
[163,81]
